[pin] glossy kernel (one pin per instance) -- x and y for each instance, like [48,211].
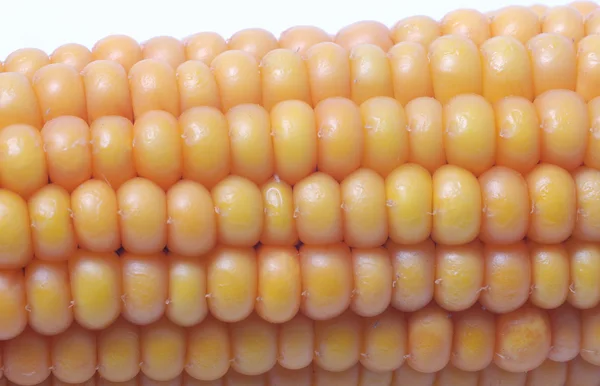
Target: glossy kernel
[107,90]
[157,148]
[340,137]
[469,23]
[60,91]
[418,29]
[517,21]
[409,65]
[506,69]
[153,86]
[284,77]
[294,136]
[565,126]
[553,62]
[204,46]
[455,67]
[553,204]
[456,206]
[469,135]
[506,206]
[23,166]
[300,38]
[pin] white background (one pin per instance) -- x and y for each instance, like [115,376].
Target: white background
[49,24]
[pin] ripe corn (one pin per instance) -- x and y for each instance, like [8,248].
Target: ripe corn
[321,282]
[428,341]
[414,205]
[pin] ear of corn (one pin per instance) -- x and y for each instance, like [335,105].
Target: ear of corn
[406,205]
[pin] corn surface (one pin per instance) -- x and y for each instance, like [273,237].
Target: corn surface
[406,205]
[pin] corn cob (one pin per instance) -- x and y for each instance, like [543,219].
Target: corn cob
[335,310]
[427,340]
[229,283]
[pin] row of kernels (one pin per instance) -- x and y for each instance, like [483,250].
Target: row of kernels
[573,21]
[451,206]
[452,65]
[501,67]
[574,373]
[427,340]
[293,139]
[93,289]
